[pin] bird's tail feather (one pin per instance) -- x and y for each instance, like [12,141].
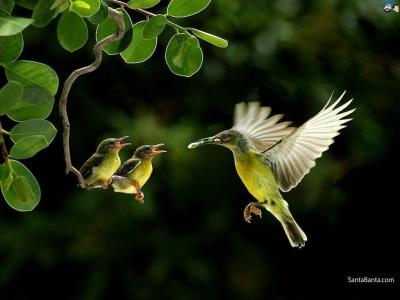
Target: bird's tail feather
[295,234]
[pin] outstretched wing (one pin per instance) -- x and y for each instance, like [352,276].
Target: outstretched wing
[295,155]
[94,161]
[252,120]
[129,166]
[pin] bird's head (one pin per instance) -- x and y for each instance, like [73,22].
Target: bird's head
[149,151]
[230,138]
[111,144]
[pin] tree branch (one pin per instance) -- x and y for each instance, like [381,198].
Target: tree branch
[3,147]
[97,51]
[139,10]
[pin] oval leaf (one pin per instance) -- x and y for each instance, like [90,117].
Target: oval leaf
[154,27]
[72,31]
[101,15]
[7,5]
[10,95]
[139,49]
[42,13]
[142,3]
[108,27]
[11,47]
[24,195]
[35,103]
[30,73]
[208,37]
[28,146]
[5,175]
[183,55]
[10,25]
[28,4]
[33,127]
[186,8]
[85,8]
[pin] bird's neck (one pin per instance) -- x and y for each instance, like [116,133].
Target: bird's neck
[241,149]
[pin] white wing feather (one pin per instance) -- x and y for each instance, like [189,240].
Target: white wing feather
[252,120]
[295,155]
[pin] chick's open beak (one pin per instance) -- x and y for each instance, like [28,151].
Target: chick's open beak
[206,141]
[119,144]
[156,151]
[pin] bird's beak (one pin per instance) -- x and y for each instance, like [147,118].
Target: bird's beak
[119,144]
[156,151]
[206,141]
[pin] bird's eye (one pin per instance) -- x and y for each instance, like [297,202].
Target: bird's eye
[225,137]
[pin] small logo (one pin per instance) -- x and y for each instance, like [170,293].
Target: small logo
[388,7]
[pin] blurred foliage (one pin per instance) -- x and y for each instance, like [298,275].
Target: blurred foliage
[189,239]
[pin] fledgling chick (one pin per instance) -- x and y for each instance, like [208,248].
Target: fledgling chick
[98,170]
[270,156]
[136,171]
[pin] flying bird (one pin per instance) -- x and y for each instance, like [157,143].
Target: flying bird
[98,170]
[136,171]
[271,157]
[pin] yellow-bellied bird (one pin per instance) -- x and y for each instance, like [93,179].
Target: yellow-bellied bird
[98,170]
[136,171]
[271,156]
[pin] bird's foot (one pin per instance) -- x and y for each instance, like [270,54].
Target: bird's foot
[251,208]
[140,197]
[104,184]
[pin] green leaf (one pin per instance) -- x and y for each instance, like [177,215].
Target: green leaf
[101,15]
[10,95]
[30,73]
[29,4]
[24,195]
[85,8]
[208,37]
[22,189]
[140,49]
[11,47]
[5,175]
[28,146]
[10,25]
[154,27]
[42,14]
[109,27]
[183,55]
[33,127]
[72,31]
[7,5]
[142,3]
[186,8]
[36,103]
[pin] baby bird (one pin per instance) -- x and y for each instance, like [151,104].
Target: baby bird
[136,171]
[98,170]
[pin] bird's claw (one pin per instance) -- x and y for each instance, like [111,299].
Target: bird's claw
[251,208]
[140,197]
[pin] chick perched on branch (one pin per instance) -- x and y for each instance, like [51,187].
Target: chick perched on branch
[136,171]
[98,170]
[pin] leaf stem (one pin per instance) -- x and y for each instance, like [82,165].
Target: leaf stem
[3,147]
[3,131]
[150,14]
[97,51]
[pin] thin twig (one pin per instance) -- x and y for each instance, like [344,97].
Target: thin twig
[3,147]
[97,51]
[139,10]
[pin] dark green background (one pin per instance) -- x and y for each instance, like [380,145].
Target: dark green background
[189,239]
